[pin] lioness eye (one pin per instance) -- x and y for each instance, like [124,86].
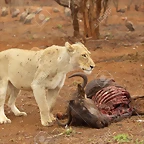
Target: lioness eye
[84,55]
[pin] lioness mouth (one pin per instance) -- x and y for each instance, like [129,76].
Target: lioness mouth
[91,68]
[86,69]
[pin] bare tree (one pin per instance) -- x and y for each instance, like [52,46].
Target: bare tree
[129,4]
[116,2]
[105,5]
[86,14]
[74,7]
[91,13]
[98,11]
[90,9]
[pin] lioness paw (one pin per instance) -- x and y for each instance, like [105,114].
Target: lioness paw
[21,114]
[47,123]
[52,117]
[4,120]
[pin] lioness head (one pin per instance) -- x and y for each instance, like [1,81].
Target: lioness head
[80,57]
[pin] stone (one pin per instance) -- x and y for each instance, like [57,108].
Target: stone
[56,10]
[67,12]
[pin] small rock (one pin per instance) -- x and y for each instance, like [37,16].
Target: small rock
[38,10]
[55,10]
[21,121]
[126,45]
[140,120]
[67,12]
[19,138]
[106,38]
[29,18]
[23,16]
[35,36]
[46,20]
[4,12]
[15,13]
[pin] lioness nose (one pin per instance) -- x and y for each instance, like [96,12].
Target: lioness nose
[91,67]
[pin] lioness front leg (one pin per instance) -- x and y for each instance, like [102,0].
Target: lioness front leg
[40,97]
[51,98]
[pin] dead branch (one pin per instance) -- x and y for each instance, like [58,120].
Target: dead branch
[116,2]
[129,4]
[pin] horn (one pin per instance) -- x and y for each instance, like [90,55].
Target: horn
[83,76]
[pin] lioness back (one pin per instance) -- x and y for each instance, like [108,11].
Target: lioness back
[19,65]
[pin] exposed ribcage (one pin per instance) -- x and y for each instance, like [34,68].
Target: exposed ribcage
[113,101]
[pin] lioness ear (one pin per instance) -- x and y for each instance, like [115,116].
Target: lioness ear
[69,47]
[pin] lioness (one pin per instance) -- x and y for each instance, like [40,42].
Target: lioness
[38,71]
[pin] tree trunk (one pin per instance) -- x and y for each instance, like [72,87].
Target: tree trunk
[91,16]
[87,32]
[74,13]
[129,4]
[91,10]
[116,4]
[96,33]
[105,5]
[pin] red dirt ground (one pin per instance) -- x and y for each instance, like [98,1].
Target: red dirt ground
[120,57]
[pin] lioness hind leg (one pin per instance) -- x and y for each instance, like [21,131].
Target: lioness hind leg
[13,92]
[3,90]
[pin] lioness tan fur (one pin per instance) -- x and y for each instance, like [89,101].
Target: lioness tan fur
[35,49]
[43,72]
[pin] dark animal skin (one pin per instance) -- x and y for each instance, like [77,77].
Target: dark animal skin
[82,111]
[97,84]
